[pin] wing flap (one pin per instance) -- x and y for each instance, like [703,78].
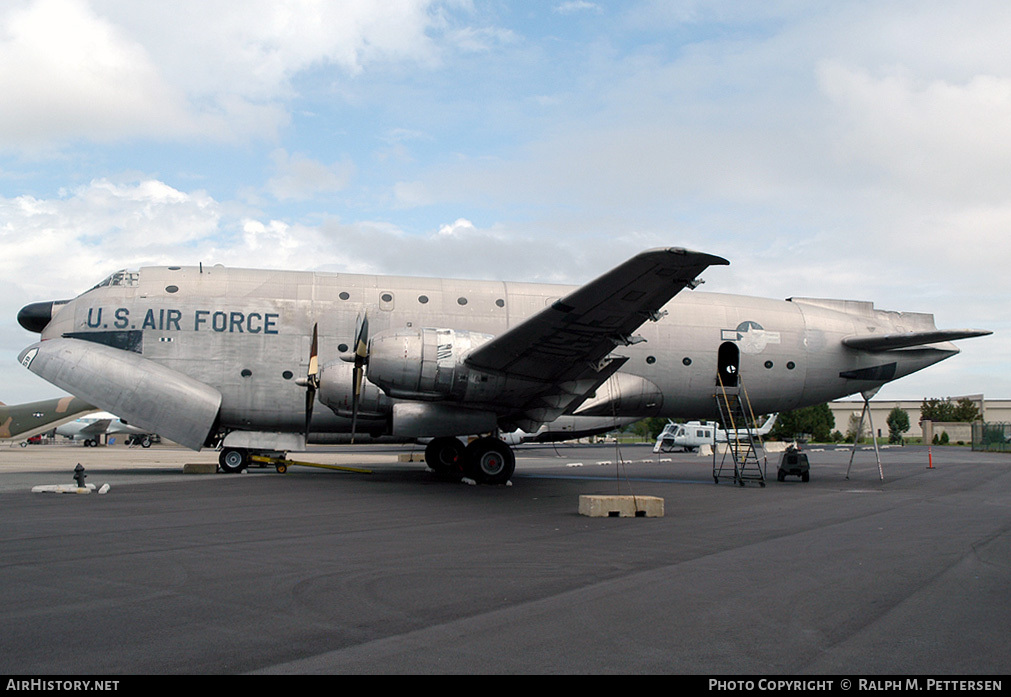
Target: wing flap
[581,329]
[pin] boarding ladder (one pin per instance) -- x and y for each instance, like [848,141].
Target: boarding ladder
[740,457]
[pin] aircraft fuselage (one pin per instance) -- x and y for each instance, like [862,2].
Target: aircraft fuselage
[247,334]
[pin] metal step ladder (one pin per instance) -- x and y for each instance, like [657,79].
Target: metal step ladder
[740,459]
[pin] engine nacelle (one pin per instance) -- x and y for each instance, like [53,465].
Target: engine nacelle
[428,364]
[624,394]
[427,420]
[336,390]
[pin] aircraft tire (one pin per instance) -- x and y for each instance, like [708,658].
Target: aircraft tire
[145,442]
[489,461]
[445,455]
[233,460]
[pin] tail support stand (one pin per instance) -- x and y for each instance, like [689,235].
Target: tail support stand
[856,438]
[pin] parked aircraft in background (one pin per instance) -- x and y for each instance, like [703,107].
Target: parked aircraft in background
[87,429]
[694,434]
[568,428]
[23,421]
[239,358]
[92,427]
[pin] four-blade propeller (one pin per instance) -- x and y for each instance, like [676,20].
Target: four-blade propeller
[361,359]
[311,380]
[359,356]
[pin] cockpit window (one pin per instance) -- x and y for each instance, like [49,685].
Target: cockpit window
[121,278]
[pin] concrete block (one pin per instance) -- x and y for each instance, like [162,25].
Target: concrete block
[200,468]
[62,489]
[598,506]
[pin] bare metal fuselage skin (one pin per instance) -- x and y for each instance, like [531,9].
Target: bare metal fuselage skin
[247,334]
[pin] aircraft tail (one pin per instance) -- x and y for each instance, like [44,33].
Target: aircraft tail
[767,426]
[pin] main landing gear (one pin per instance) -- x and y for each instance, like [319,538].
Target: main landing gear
[233,460]
[486,460]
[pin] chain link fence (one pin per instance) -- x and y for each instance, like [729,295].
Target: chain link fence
[991,437]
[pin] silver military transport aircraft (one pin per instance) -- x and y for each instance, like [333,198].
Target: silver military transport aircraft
[238,358]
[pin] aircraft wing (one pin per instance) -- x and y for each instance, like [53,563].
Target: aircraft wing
[577,332]
[22,421]
[888,342]
[95,428]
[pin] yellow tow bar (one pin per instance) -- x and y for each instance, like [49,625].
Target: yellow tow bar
[281,465]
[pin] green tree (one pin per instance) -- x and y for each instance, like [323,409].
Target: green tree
[854,430]
[648,429]
[898,423]
[816,420]
[964,410]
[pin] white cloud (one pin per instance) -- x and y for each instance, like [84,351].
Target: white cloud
[410,194]
[300,177]
[931,135]
[98,228]
[254,48]
[117,69]
[574,6]
[460,227]
[480,39]
[69,73]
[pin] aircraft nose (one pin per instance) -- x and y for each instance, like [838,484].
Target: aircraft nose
[36,316]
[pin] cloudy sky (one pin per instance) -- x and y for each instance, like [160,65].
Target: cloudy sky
[832,149]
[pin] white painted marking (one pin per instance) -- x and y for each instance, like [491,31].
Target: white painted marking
[29,357]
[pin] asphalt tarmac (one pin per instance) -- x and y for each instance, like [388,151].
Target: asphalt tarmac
[400,571]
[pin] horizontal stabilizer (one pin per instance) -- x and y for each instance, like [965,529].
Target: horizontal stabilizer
[887,342]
